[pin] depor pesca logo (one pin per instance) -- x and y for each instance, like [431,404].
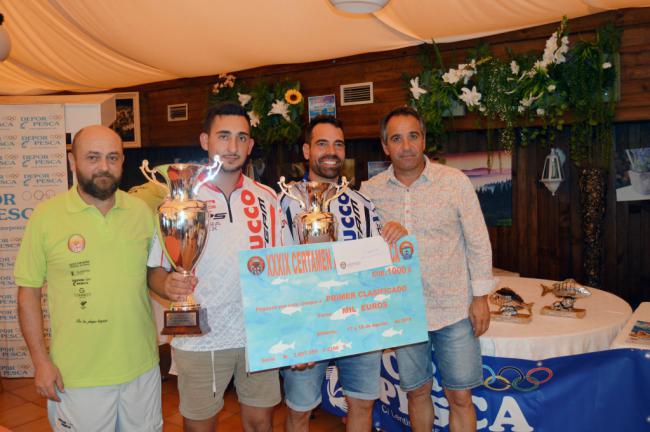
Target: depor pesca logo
[8,142]
[14,352]
[44,179]
[43,160]
[37,195]
[8,160]
[8,315]
[42,141]
[9,180]
[6,262]
[10,243]
[41,122]
[256,265]
[7,122]
[8,299]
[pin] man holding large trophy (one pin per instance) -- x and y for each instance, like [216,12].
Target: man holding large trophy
[240,214]
[321,209]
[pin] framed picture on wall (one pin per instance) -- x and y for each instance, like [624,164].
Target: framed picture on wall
[127,118]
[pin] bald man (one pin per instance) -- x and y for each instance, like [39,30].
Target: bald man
[90,245]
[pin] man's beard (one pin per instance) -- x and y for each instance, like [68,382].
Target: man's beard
[95,190]
[235,168]
[329,173]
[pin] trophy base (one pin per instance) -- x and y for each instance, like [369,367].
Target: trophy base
[184,321]
[516,319]
[567,313]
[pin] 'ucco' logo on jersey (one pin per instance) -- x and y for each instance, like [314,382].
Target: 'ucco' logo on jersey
[257,237]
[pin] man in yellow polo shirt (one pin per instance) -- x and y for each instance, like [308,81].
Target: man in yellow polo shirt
[90,245]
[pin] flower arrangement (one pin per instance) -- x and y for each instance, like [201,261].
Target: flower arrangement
[275,110]
[528,91]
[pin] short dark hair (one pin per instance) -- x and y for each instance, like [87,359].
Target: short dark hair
[403,110]
[321,119]
[223,109]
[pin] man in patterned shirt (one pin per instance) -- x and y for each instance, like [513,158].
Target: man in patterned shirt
[243,215]
[439,206]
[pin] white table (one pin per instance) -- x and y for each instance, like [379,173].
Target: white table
[551,336]
[642,313]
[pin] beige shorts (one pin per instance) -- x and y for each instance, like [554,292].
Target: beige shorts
[204,375]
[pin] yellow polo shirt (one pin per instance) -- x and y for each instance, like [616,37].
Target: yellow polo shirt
[95,266]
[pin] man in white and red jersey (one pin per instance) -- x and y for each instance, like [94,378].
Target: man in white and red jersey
[243,215]
[324,148]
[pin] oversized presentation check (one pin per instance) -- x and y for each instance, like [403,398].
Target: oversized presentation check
[321,301]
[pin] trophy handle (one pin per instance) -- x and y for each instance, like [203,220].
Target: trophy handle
[340,188]
[211,173]
[150,174]
[286,190]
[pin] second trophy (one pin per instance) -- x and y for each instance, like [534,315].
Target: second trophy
[314,224]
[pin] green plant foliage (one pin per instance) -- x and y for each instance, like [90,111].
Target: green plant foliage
[531,92]
[591,76]
[268,129]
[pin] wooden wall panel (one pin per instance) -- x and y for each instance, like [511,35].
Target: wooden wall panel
[545,239]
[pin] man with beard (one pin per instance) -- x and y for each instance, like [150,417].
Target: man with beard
[324,148]
[243,215]
[90,245]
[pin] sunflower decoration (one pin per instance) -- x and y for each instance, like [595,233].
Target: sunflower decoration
[293,97]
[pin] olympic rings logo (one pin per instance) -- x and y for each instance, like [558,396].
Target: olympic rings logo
[499,382]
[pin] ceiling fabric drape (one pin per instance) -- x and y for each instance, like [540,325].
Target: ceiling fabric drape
[90,46]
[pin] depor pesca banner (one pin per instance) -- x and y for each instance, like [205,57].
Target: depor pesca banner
[32,169]
[595,392]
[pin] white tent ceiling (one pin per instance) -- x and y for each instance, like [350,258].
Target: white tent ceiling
[94,45]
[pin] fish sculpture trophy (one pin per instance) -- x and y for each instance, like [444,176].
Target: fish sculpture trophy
[314,224]
[182,230]
[510,303]
[568,291]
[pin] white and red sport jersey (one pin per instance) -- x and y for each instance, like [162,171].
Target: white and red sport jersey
[249,219]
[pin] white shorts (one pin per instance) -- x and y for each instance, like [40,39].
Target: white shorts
[132,406]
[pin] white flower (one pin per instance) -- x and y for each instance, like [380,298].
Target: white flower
[467,74]
[451,77]
[470,97]
[528,101]
[607,65]
[243,98]
[551,88]
[521,108]
[416,90]
[482,108]
[280,107]
[540,111]
[541,65]
[514,67]
[255,119]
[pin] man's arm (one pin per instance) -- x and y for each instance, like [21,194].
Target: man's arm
[172,286]
[479,256]
[46,374]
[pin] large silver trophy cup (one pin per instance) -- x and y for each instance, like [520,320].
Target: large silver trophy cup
[183,230]
[314,224]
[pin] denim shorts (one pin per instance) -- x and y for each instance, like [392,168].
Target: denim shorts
[458,355]
[358,375]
